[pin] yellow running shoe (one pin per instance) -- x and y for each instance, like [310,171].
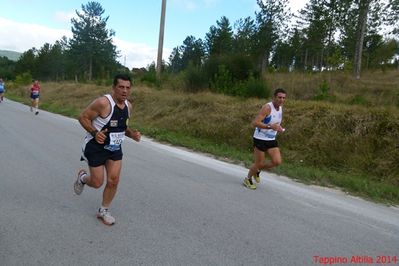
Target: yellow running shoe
[257,177]
[248,184]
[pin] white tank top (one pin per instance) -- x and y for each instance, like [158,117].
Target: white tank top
[274,117]
[99,122]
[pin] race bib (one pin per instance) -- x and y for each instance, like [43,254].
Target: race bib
[115,141]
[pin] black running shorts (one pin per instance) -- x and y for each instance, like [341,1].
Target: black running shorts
[264,145]
[96,155]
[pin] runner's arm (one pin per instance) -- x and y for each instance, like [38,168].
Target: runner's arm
[132,133]
[258,121]
[95,109]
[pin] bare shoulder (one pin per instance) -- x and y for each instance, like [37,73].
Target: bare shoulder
[102,100]
[129,105]
[265,109]
[100,106]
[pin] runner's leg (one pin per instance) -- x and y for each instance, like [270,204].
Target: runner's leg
[275,158]
[96,177]
[113,169]
[259,158]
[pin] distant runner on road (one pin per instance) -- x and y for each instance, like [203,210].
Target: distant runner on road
[106,122]
[2,89]
[34,96]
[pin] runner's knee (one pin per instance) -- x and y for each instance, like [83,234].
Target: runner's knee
[113,181]
[276,161]
[96,183]
[260,165]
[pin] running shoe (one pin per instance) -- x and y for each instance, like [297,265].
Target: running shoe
[257,177]
[105,216]
[79,185]
[37,112]
[248,184]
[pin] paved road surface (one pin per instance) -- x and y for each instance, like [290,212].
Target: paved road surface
[173,207]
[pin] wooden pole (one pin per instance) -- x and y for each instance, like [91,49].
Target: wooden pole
[160,42]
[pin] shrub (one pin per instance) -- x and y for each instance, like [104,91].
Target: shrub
[324,91]
[194,78]
[358,100]
[240,67]
[23,79]
[149,78]
[222,81]
[252,88]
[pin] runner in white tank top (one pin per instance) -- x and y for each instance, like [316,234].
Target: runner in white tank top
[267,124]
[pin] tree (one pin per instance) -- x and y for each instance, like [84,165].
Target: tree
[58,59]
[283,56]
[363,11]
[393,16]
[7,68]
[193,52]
[27,63]
[43,62]
[244,39]
[319,22]
[272,22]
[175,60]
[219,40]
[296,41]
[91,46]
[377,52]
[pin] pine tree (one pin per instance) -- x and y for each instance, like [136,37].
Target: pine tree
[91,47]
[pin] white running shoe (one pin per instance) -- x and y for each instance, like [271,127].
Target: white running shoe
[78,186]
[105,216]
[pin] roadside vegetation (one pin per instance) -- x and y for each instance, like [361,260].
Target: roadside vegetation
[347,138]
[339,67]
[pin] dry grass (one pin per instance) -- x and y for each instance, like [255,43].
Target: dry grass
[359,143]
[373,89]
[349,139]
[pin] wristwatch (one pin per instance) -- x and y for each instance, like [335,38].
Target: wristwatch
[93,133]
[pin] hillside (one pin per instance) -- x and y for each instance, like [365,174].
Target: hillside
[12,55]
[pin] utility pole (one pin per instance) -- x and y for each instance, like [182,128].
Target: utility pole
[364,6]
[160,42]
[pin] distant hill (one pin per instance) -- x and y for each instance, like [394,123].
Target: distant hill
[12,55]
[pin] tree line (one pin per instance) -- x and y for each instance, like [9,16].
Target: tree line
[326,35]
[89,55]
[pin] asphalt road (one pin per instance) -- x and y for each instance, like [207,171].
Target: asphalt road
[173,207]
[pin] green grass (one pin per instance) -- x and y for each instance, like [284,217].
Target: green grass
[350,183]
[59,109]
[355,185]
[333,144]
[217,150]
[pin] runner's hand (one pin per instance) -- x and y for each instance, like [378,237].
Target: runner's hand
[136,135]
[101,136]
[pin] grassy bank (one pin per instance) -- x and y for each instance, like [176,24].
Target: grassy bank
[330,143]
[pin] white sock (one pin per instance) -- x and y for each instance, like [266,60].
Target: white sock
[83,178]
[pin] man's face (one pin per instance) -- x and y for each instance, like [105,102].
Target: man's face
[279,99]
[122,89]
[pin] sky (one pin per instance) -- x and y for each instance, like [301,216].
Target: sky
[25,24]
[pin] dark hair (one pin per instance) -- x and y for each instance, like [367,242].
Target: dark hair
[279,90]
[122,77]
